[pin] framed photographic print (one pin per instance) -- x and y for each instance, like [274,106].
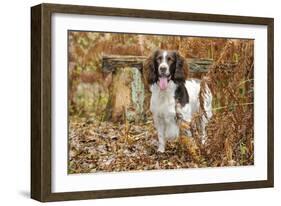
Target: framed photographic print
[128,102]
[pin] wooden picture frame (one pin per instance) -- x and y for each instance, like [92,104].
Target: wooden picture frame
[41,116]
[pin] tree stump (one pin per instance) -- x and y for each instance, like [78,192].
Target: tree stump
[127,95]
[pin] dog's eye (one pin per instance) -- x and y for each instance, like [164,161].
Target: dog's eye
[169,59]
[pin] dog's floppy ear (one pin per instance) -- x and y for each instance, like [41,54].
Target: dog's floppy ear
[182,70]
[149,69]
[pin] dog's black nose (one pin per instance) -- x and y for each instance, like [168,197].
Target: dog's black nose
[163,69]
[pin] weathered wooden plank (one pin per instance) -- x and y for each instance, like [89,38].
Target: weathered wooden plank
[111,62]
[199,65]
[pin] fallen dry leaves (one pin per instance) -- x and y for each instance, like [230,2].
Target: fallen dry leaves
[103,146]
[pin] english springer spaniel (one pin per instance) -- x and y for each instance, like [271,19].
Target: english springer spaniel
[173,94]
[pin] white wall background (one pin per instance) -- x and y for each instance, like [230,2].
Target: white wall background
[15,102]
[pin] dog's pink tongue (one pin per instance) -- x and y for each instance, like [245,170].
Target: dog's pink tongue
[163,83]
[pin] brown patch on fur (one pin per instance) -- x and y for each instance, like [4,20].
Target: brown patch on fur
[148,71]
[181,63]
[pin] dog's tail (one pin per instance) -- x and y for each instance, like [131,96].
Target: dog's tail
[205,98]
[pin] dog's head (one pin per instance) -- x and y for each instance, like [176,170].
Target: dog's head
[164,66]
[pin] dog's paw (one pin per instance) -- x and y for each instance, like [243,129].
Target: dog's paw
[161,149]
[203,141]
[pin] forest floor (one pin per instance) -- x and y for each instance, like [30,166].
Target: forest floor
[103,146]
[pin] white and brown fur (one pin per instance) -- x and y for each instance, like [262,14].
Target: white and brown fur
[179,96]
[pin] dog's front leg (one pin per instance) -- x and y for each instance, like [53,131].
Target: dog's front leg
[162,144]
[160,127]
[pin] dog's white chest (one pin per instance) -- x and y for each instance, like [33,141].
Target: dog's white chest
[162,103]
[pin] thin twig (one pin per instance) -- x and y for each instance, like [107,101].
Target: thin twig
[234,105]
[139,135]
[243,82]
